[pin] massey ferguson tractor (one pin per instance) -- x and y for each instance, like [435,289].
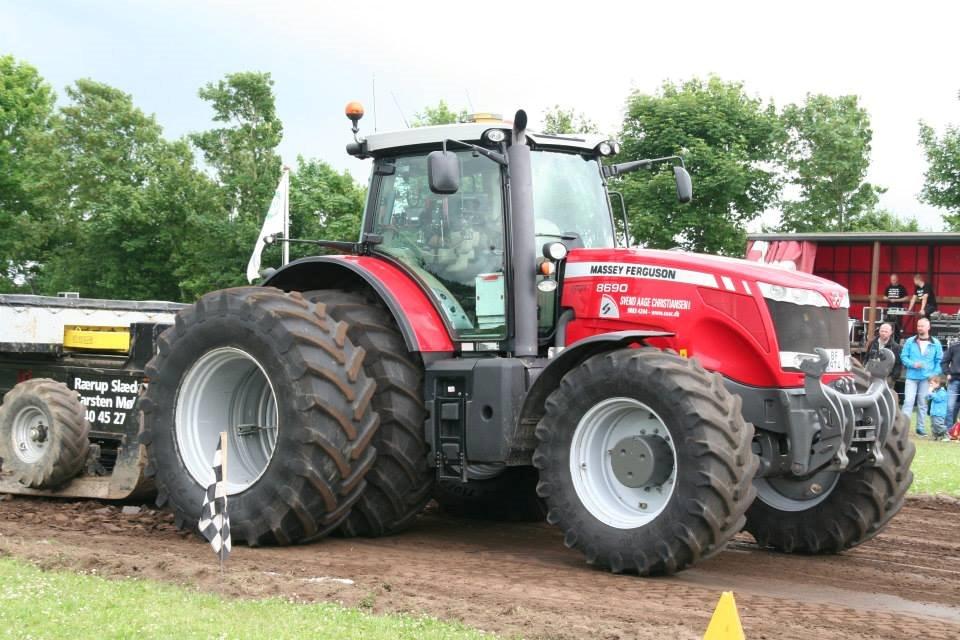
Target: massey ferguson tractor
[489,330]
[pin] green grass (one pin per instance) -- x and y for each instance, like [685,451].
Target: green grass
[936,468]
[41,604]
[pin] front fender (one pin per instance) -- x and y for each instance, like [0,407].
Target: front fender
[573,355]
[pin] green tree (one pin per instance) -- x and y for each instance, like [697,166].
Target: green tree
[941,186]
[109,192]
[729,142]
[826,156]
[244,153]
[26,106]
[440,114]
[882,220]
[557,120]
[323,203]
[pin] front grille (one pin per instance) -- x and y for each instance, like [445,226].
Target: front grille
[803,328]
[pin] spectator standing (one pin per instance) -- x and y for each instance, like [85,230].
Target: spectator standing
[921,355]
[951,368]
[885,340]
[938,408]
[923,295]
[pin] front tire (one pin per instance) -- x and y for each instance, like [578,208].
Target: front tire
[856,507]
[645,461]
[282,378]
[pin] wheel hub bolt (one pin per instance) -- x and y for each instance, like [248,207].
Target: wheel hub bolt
[38,433]
[816,488]
[643,505]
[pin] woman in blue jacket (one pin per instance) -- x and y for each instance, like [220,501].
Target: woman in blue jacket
[921,356]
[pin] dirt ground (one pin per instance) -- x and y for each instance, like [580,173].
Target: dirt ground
[519,579]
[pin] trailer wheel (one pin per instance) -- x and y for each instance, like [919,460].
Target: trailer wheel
[509,496]
[399,484]
[849,507]
[645,461]
[282,378]
[43,433]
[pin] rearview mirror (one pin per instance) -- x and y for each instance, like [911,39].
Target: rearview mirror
[684,185]
[443,172]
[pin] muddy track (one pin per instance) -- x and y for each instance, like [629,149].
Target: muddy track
[519,578]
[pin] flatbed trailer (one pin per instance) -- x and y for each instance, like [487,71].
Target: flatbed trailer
[98,349]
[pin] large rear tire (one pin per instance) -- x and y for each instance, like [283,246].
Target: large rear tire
[282,378]
[400,482]
[43,433]
[645,461]
[851,507]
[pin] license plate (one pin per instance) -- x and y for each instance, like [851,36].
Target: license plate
[838,361]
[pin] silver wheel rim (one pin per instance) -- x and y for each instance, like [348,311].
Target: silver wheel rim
[607,499]
[226,389]
[31,436]
[796,494]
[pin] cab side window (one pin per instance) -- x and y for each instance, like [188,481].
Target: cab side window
[455,243]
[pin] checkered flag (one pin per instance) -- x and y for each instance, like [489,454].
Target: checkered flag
[214,520]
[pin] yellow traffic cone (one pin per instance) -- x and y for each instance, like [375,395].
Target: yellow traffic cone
[725,623]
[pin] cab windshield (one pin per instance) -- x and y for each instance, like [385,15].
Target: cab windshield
[569,198]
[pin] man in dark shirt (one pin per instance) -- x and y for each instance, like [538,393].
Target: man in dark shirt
[924,295]
[885,340]
[896,293]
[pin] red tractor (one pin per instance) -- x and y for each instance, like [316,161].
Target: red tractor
[487,331]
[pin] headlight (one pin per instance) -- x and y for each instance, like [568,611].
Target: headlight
[804,297]
[494,135]
[555,251]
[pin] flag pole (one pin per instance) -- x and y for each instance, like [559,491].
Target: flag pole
[286,214]
[223,470]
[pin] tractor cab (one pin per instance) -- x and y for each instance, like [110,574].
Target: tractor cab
[457,238]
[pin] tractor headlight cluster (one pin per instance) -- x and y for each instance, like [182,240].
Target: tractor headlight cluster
[608,148]
[494,135]
[793,295]
[555,251]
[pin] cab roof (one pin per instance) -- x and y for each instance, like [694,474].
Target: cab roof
[379,143]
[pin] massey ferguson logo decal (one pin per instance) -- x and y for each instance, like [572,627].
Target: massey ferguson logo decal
[641,271]
[837,298]
[609,307]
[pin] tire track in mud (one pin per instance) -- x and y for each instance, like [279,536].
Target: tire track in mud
[519,579]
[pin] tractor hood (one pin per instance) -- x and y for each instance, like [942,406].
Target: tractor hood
[717,272]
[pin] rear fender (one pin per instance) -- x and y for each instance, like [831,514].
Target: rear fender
[423,329]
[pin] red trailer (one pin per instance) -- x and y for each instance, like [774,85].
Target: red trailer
[863,262]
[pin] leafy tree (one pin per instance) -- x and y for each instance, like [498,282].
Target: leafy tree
[243,154]
[882,220]
[827,155]
[440,114]
[728,140]
[558,120]
[942,179]
[26,106]
[110,213]
[323,203]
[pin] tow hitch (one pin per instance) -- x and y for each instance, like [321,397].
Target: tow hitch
[836,420]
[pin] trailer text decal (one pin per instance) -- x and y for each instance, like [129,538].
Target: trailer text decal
[108,401]
[633,270]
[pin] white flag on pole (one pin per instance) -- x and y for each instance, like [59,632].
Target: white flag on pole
[274,223]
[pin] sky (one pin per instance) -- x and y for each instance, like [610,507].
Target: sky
[900,59]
